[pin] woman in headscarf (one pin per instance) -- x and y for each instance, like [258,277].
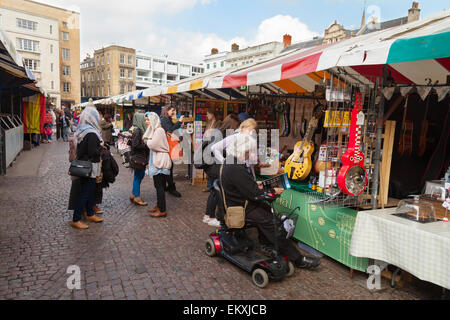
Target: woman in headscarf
[140,150]
[160,163]
[88,149]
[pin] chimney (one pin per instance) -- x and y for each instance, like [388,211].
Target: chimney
[287,40]
[234,47]
[414,12]
[214,51]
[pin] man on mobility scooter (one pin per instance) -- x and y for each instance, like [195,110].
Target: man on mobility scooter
[238,188]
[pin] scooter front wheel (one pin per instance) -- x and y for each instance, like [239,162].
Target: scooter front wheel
[291,269]
[210,248]
[260,278]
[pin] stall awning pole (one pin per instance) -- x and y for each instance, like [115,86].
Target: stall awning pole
[380,127]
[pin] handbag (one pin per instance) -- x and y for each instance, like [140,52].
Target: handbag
[81,169]
[175,150]
[138,162]
[234,216]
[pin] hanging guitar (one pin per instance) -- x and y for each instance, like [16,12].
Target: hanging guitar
[352,178]
[299,164]
[405,145]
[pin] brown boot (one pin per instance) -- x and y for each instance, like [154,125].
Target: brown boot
[80,225]
[140,202]
[94,218]
[159,214]
[97,210]
[153,210]
[132,198]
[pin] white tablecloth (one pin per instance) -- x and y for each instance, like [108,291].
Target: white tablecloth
[420,249]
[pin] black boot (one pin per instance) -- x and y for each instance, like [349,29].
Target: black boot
[307,263]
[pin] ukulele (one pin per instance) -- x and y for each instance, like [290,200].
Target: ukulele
[299,164]
[405,143]
[352,178]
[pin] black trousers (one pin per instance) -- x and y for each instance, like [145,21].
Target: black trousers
[85,200]
[58,132]
[263,220]
[170,184]
[160,184]
[211,204]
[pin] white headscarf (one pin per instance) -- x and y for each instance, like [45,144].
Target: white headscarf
[155,122]
[88,123]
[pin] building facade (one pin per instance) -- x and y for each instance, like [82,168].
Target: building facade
[37,40]
[68,35]
[156,70]
[237,58]
[110,72]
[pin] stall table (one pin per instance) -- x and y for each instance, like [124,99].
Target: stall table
[422,250]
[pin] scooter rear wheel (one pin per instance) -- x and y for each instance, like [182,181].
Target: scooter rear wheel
[210,248]
[260,278]
[291,269]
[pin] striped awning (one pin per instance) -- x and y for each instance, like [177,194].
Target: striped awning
[413,52]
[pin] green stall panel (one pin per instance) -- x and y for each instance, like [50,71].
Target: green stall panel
[326,229]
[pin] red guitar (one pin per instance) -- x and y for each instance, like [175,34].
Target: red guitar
[352,178]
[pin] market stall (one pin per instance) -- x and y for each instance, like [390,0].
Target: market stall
[346,114]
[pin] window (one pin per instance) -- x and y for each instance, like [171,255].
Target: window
[65,54]
[26,24]
[122,73]
[82,77]
[130,74]
[130,60]
[207,66]
[32,64]
[109,75]
[27,45]
[66,87]
[103,60]
[98,91]
[51,67]
[65,36]
[83,92]
[98,76]
[130,87]
[53,85]
[222,63]
[215,65]
[103,91]
[103,75]
[64,24]
[122,59]
[66,71]
[51,29]
[107,58]
[122,89]
[51,48]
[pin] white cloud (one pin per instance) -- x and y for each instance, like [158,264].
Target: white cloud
[131,23]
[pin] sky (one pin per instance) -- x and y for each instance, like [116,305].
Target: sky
[188,29]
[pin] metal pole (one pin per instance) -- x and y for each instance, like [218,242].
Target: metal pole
[377,156]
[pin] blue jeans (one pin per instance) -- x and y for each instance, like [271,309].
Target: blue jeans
[138,177]
[66,133]
[86,199]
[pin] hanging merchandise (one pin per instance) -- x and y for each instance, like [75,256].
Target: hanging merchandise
[33,114]
[299,164]
[352,178]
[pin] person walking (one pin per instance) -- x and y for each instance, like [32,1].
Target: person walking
[65,118]
[107,128]
[53,126]
[213,124]
[159,162]
[88,149]
[58,124]
[138,149]
[167,124]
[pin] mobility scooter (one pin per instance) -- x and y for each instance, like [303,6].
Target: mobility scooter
[235,246]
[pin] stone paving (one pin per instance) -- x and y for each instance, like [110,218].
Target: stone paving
[133,256]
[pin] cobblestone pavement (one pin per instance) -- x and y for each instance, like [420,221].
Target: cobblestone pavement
[133,256]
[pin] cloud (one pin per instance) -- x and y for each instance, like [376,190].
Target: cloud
[137,24]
